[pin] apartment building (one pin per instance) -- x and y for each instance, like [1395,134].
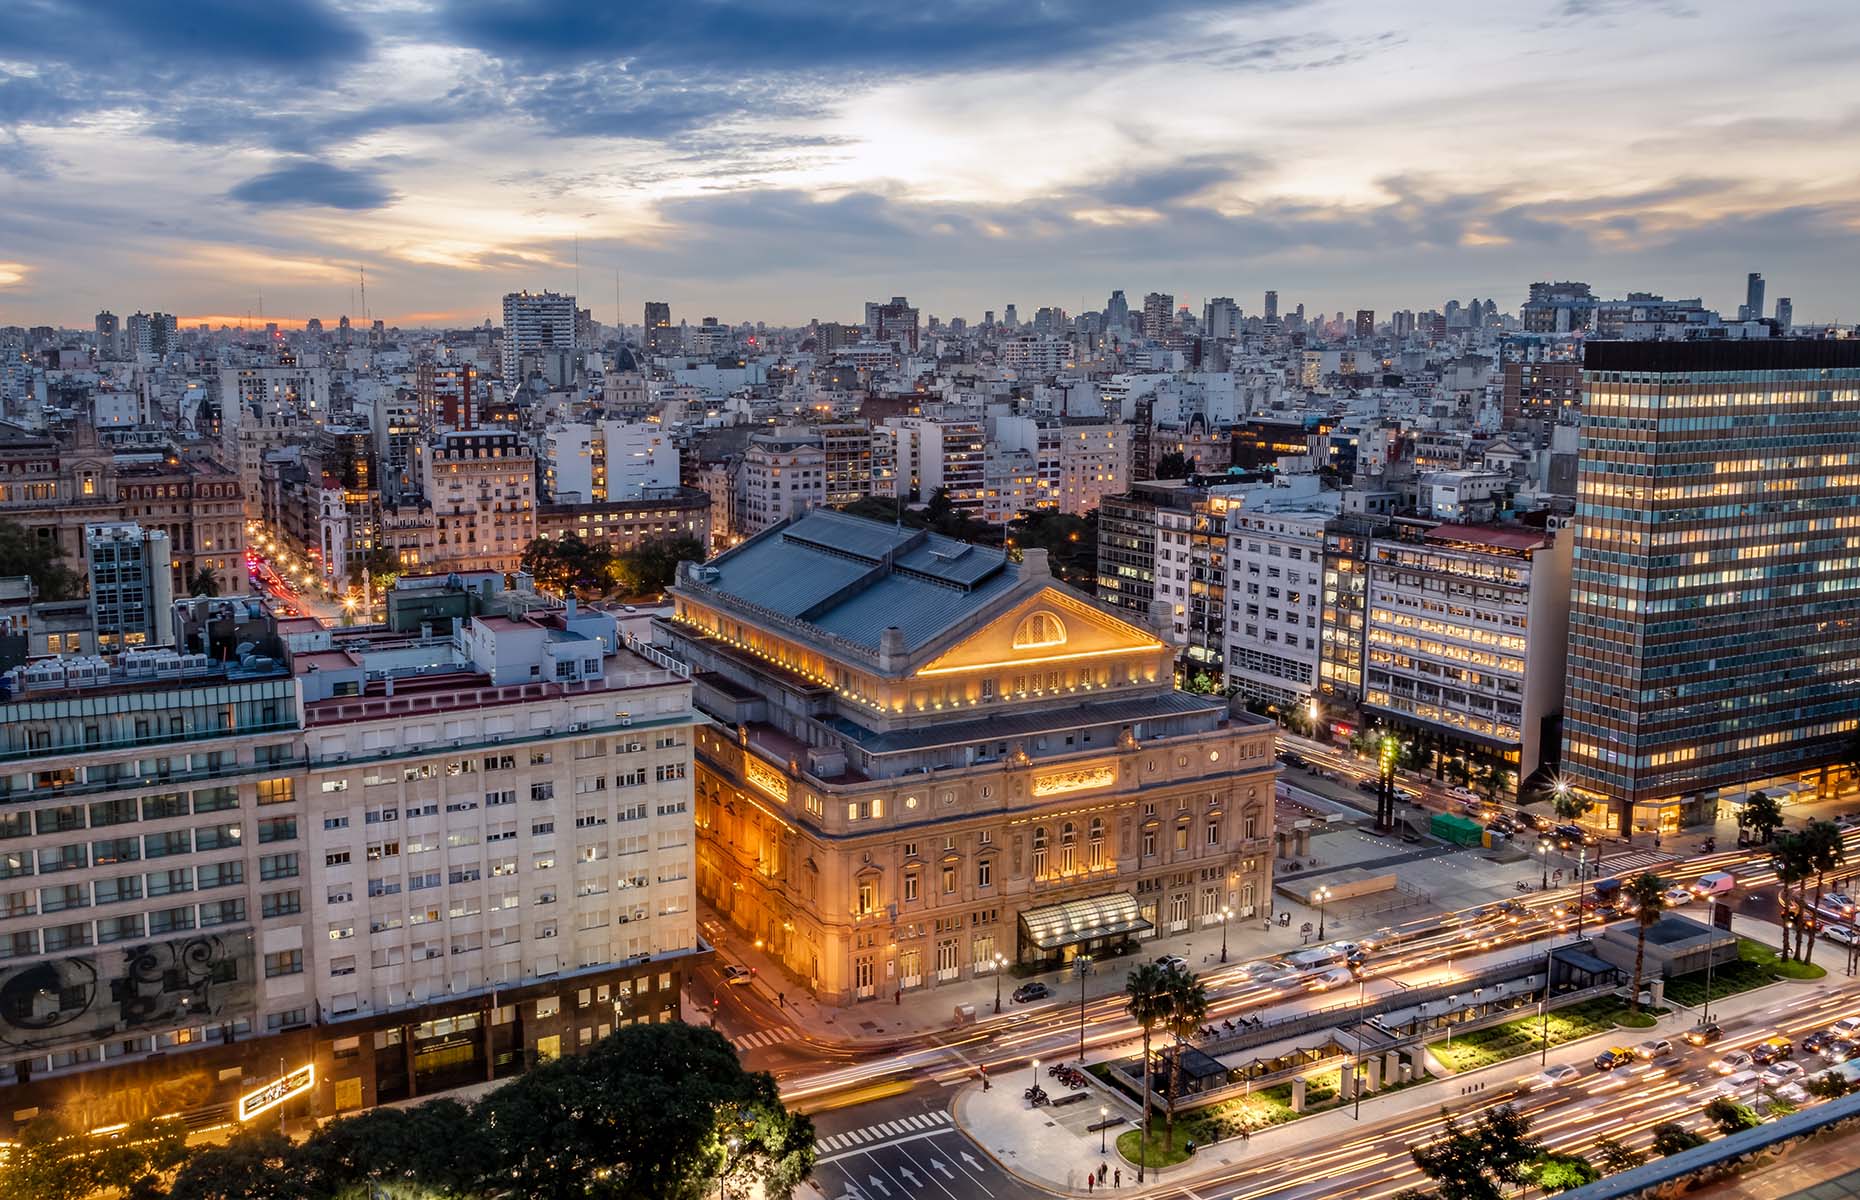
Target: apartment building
[1094,462]
[598,461]
[930,762]
[1275,562]
[131,586]
[478,504]
[1466,640]
[407,863]
[932,453]
[782,472]
[623,525]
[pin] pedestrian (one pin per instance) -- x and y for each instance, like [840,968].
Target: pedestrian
[1090,1179]
[1102,1169]
[781,999]
[1117,1178]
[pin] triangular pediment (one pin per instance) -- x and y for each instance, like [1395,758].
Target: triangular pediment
[1046,627]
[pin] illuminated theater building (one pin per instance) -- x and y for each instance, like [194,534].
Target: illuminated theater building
[930,762]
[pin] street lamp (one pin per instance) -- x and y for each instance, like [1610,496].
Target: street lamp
[1711,914]
[1543,1009]
[1084,966]
[1543,852]
[1036,1072]
[1000,962]
[725,1173]
[1321,896]
[1104,1116]
[1226,916]
[1582,885]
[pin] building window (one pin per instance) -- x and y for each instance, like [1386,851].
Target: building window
[1149,842]
[910,885]
[868,898]
[1039,852]
[949,881]
[285,962]
[1094,850]
[1214,833]
[1068,851]
[984,873]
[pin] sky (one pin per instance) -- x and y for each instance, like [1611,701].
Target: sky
[780,160]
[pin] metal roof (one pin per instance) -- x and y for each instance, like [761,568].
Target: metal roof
[1073,921]
[1100,712]
[855,578]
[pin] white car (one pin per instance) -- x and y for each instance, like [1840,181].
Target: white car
[1741,1083]
[1733,1063]
[1557,1076]
[1794,1093]
[1335,977]
[737,976]
[1172,962]
[1846,1027]
[1677,897]
[1777,1074]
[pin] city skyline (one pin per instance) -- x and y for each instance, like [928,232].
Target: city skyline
[760,165]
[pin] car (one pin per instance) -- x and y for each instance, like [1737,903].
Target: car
[1557,1076]
[1773,1050]
[1782,1072]
[1349,949]
[1335,977]
[737,976]
[1839,902]
[1295,760]
[1677,897]
[1703,1035]
[1840,1050]
[1031,991]
[1654,1048]
[1818,1041]
[1739,1083]
[1839,934]
[1846,1027]
[1732,1063]
[1172,962]
[1369,787]
[1794,1093]
[1616,1056]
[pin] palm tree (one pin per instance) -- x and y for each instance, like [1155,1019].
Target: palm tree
[1826,851]
[1147,992]
[1791,860]
[1648,891]
[1569,805]
[1761,815]
[1187,1000]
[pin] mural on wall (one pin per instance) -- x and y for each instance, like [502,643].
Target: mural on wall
[148,987]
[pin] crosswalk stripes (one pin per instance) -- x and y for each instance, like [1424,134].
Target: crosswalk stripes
[765,1037]
[1634,860]
[881,1131]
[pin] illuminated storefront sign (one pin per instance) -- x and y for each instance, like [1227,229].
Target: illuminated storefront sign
[277,1091]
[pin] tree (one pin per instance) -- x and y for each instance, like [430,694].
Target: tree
[54,1160]
[1569,804]
[651,566]
[1614,1157]
[1730,1116]
[1479,1161]
[1761,816]
[1147,1001]
[25,553]
[650,1112]
[1187,1012]
[1563,1172]
[203,583]
[1791,857]
[254,1164]
[1648,892]
[383,567]
[1174,465]
[1673,1138]
[1827,1085]
[1825,850]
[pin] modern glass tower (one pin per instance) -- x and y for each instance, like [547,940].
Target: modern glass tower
[1715,604]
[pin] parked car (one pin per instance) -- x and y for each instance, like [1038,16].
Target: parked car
[1557,1076]
[1616,1056]
[1773,1050]
[1839,934]
[1031,991]
[1568,837]
[1732,1063]
[737,976]
[1703,1035]
[1172,962]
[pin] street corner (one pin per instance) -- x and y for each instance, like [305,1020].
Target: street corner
[1052,1145]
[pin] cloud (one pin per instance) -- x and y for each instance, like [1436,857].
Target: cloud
[314,183]
[289,37]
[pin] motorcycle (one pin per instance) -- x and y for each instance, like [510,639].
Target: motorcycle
[1036,1095]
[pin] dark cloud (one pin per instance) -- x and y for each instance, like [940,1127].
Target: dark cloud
[811,36]
[1168,185]
[290,37]
[313,184]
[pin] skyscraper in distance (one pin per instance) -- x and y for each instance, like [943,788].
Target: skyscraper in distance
[1713,648]
[658,322]
[532,321]
[1272,307]
[1785,313]
[1752,309]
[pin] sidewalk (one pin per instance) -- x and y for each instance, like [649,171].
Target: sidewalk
[1047,1149]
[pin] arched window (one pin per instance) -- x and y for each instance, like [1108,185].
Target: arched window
[1039,852]
[1040,629]
[1068,851]
[1094,849]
